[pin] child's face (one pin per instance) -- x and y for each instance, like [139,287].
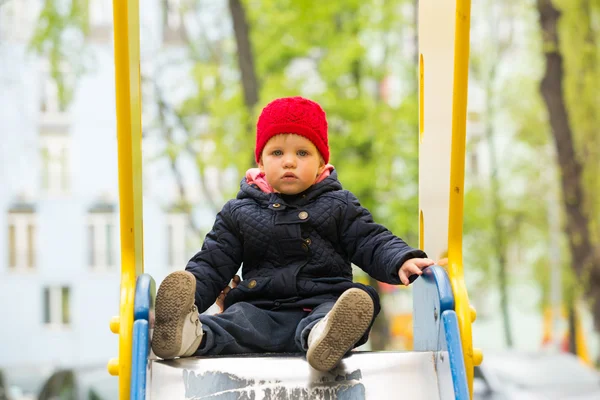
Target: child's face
[291,163]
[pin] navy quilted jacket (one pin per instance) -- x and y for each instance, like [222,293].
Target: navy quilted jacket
[295,250]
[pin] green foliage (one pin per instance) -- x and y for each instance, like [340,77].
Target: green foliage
[506,211]
[59,36]
[373,144]
[350,47]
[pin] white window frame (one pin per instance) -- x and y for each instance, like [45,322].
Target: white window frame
[55,164]
[102,253]
[25,254]
[56,297]
[176,229]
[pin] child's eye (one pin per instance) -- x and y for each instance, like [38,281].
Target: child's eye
[277,153]
[302,153]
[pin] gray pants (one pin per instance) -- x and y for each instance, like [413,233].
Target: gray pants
[244,328]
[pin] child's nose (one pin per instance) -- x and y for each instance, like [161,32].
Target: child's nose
[289,161]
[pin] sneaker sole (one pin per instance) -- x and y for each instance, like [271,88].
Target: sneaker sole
[174,299]
[349,319]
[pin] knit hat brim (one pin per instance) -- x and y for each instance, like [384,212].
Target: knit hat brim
[292,128]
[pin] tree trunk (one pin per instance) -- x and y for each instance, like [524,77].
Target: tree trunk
[572,329]
[245,61]
[585,257]
[500,233]
[245,54]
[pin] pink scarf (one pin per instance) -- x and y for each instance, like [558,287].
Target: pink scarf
[255,177]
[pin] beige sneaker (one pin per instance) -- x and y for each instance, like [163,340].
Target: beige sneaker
[332,337]
[177,327]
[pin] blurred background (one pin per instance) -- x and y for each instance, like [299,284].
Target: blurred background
[532,214]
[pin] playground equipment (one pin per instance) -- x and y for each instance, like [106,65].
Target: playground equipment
[441,365]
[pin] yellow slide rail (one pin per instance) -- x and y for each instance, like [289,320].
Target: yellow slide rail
[465,312]
[444,42]
[129,138]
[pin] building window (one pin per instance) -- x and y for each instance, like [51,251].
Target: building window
[17,19]
[55,163]
[21,237]
[53,109]
[173,29]
[100,14]
[50,101]
[101,231]
[177,240]
[172,16]
[57,305]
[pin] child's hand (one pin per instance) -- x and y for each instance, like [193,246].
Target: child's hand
[413,266]
[221,298]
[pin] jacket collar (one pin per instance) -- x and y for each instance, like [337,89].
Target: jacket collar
[329,184]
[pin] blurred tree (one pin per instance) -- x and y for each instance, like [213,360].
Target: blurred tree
[487,202]
[59,35]
[356,59]
[484,70]
[570,91]
[506,190]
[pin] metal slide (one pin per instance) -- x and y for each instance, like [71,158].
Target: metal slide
[441,365]
[434,371]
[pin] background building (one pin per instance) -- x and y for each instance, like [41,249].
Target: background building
[59,216]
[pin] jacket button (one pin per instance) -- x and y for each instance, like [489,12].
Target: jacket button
[276,205]
[277,304]
[252,284]
[302,215]
[304,246]
[307,241]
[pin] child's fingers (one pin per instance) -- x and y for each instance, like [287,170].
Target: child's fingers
[221,297]
[411,268]
[408,273]
[423,262]
[220,301]
[403,277]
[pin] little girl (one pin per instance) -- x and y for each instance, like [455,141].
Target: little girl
[295,232]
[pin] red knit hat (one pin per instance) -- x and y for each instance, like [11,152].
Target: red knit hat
[293,115]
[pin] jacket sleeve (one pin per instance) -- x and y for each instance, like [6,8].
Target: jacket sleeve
[217,262]
[372,246]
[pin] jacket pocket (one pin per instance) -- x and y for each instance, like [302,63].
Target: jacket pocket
[293,249]
[248,290]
